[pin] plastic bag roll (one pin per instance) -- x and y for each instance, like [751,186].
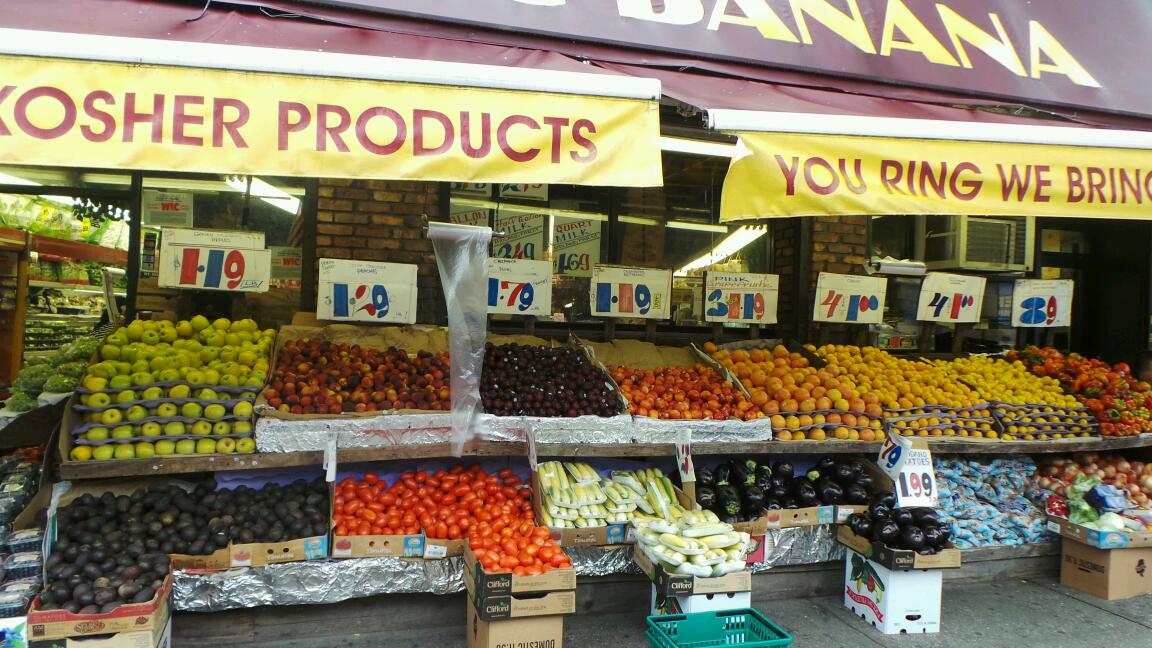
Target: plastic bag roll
[462,258]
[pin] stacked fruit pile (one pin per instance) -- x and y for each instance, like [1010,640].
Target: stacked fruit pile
[160,388]
[322,377]
[693,542]
[1056,474]
[683,393]
[525,380]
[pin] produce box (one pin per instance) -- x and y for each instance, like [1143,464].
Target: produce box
[1107,573]
[610,534]
[1098,539]
[526,631]
[129,618]
[897,559]
[661,604]
[487,584]
[379,546]
[688,585]
[159,637]
[497,607]
[893,601]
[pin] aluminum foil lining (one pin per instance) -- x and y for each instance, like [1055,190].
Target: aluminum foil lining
[650,430]
[580,429]
[799,546]
[303,435]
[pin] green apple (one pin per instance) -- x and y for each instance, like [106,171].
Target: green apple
[191,410]
[185,447]
[152,393]
[126,396]
[151,428]
[109,352]
[165,447]
[123,432]
[123,369]
[179,343]
[106,451]
[209,353]
[96,434]
[243,408]
[207,394]
[142,378]
[222,428]
[141,366]
[129,354]
[249,396]
[206,446]
[136,412]
[228,380]
[211,377]
[221,324]
[95,383]
[226,446]
[202,428]
[125,451]
[245,445]
[241,427]
[180,391]
[111,416]
[227,354]
[150,337]
[199,323]
[167,410]
[134,330]
[169,375]
[174,428]
[145,450]
[168,334]
[195,377]
[246,358]
[184,329]
[120,382]
[214,412]
[119,338]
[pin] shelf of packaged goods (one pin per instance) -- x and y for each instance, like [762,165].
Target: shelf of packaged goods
[13,240]
[177,464]
[77,251]
[73,288]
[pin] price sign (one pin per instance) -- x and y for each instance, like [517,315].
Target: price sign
[519,287]
[950,298]
[741,298]
[524,191]
[684,456]
[909,463]
[364,291]
[214,260]
[166,208]
[475,218]
[849,298]
[1042,303]
[523,236]
[575,245]
[621,291]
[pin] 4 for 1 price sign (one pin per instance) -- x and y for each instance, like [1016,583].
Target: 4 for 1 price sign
[622,291]
[1042,303]
[214,260]
[364,291]
[849,298]
[950,298]
[519,287]
[741,298]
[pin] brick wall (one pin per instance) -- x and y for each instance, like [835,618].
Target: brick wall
[380,220]
[785,242]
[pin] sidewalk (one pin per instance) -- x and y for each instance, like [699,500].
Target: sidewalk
[1008,613]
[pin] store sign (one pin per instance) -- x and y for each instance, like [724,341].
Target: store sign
[575,245]
[852,299]
[214,260]
[908,462]
[523,191]
[472,189]
[833,175]
[475,218]
[1046,51]
[741,298]
[286,262]
[621,291]
[519,287]
[364,291]
[112,115]
[1038,303]
[166,208]
[950,298]
[523,235]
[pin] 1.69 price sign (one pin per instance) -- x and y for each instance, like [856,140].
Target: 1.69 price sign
[1040,303]
[214,260]
[519,287]
[849,298]
[741,298]
[364,291]
[622,291]
[950,298]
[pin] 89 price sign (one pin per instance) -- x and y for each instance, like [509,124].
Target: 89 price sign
[1042,303]
[950,298]
[741,298]
[363,291]
[849,298]
[519,287]
[620,291]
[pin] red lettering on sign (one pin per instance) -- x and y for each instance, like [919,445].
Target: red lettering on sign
[335,132]
[582,140]
[288,124]
[526,155]
[789,171]
[20,112]
[222,125]
[4,92]
[372,146]
[419,146]
[133,117]
[466,135]
[105,119]
[556,123]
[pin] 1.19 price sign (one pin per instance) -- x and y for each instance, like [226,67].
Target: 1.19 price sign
[849,298]
[214,260]
[1042,303]
[741,298]
[950,298]
[519,287]
[622,291]
[364,291]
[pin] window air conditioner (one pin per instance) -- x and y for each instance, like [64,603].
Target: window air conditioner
[983,243]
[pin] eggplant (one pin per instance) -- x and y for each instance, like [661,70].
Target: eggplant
[826,465]
[853,522]
[926,516]
[772,504]
[706,497]
[829,491]
[887,499]
[740,474]
[903,517]
[912,537]
[782,469]
[753,500]
[886,531]
[945,533]
[932,537]
[763,471]
[805,493]
[879,510]
[857,466]
[763,483]
[780,480]
[865,527]
[730,519]
[790,503]
[780,491]
[722,474]
[844,475]
[705,477]
[728,499]
[866,482]
[854,494]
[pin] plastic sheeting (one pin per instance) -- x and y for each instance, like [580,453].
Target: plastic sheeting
[303,435]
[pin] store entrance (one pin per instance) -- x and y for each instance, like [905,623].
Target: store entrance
[1109,261]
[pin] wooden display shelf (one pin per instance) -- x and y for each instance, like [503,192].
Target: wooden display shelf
[177,464]
[77,251]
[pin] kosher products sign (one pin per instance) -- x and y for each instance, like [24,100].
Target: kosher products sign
[111,115]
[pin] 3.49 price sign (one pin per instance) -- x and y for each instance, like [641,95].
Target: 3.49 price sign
[849,298]
[214,260]
[741,298]
[950,298]
[364,291]
[519,287]
[1038,303]
[622,291]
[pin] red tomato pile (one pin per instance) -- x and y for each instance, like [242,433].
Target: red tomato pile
[518,547]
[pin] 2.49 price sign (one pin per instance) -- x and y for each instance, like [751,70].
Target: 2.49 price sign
[364,291]
[214,260]
[741,298]
[622,291]
[519,287]
[849,298]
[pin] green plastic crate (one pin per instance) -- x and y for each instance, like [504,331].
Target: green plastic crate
[731,629]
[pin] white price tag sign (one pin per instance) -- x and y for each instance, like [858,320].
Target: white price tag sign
[622,291]
[214,268]
[166,208]
[365,291]
[575,245]
[475,218]
[909,463]
[1040,303]
[519,287]
[523,235]
[684,456]
[950,298]
[740,297]
[849,298]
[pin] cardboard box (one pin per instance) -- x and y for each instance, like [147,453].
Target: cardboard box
[893,602]
[611,534]
[698,603]
[878,552]
[1107,573]
[497,607]
[160,637]
[134,618]
[378,546]
[542,631]
[493,584]
[686,584]
[1098,539]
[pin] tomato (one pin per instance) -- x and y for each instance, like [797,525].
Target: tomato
[371,478]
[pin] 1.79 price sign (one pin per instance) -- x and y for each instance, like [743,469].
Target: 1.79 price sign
[1038,303]
[364,291]
[519,287]
[210,260]
[950,298]
[741,298]
[849,298]
[622,291]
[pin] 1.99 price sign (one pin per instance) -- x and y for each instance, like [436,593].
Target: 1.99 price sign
[909,463]
[519,287]
[950,298]
[207,260]
[363,291]
[849,298]
[1038,303]
[741,298]
[621,291]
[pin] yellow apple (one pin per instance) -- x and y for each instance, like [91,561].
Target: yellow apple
[165,447]
[106,451]
[185,447]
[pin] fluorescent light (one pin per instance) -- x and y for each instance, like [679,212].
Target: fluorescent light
[696,147]
[266,192]
[699,227]
[527,209]
[731,244]
[639,220]
[13,180]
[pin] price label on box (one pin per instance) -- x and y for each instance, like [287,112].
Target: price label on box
[740,297]
[519,287]
[1038,303]
[364,291]
[909,463]
[622,291]
[950,298]
[214,260]
[849,298]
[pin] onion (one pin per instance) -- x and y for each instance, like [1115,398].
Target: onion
[1051,471]
[1120,480]
[1142,500]
[1045,483]
[1146,482]
[1091,467]
[1110,472]
[1123,465]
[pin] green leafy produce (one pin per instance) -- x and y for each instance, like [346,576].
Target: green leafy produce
[71,369]
[59,384]
[31,379]
[21,402]
[38,360]
[80,350]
